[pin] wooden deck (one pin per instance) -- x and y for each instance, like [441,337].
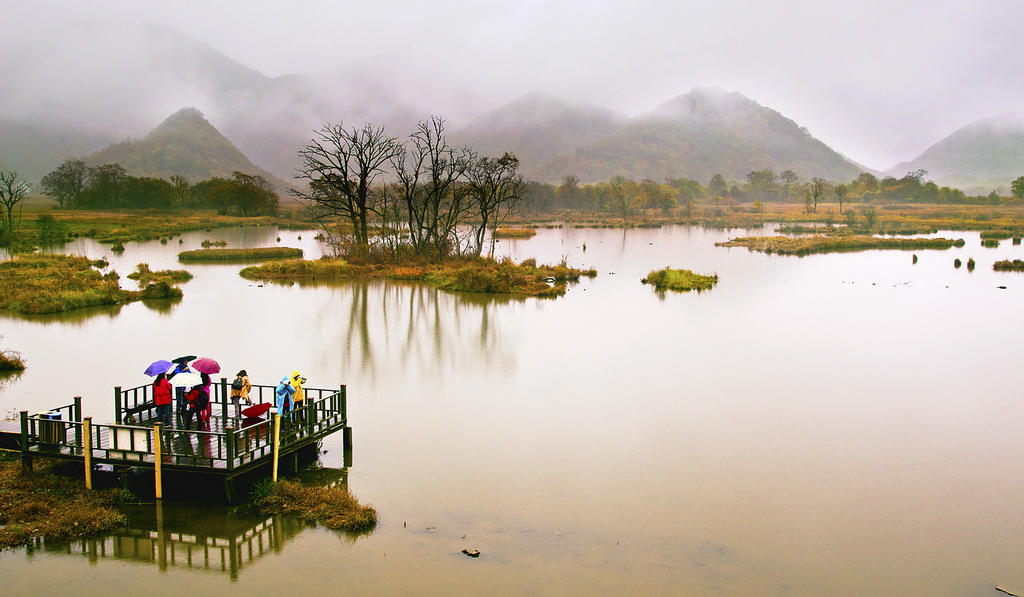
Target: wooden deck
[224,446]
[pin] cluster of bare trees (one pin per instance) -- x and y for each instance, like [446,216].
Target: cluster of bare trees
[421,194]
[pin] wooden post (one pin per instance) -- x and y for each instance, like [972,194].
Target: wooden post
[229,446]
[87,430]
[346,434]
[158,460]
[277,443]
[224,398]
[343,403]
[117,405]
[26,456]
[77,416]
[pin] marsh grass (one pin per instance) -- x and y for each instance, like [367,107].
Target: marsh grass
[38,283]
[240,255]
[825,244]
[479,275]
[515,233]
[682,280]
[1007,265]
[143,275]
[332,507]
[51,503]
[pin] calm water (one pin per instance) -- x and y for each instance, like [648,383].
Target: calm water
[828,425]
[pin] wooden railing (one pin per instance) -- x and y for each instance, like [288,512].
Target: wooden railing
[323,411]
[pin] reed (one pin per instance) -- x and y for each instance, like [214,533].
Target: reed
[237,255]
[478,275]
[52,504]
[333,507]
[1007,265]
[37,283]
[826,244]
[682,280]
[515,233]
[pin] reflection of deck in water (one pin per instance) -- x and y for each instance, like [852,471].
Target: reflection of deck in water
[237,544]
[226,447]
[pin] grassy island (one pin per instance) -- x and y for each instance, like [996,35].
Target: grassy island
[38,283]
[457,275]
[143,275]
[332,507]
[515,233]
[783,245]
[51,504]
[680,279]
[1007,265]
[236,255]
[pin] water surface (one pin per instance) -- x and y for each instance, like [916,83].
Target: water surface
[840,424]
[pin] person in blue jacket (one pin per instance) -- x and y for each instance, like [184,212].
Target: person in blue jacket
[284,396]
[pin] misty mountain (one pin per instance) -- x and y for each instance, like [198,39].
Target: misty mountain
[695,135]
[538,128]
[32,149]
[984,155]
[184,144]
[106,81]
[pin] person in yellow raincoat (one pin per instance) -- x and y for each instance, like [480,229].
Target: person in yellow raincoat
[298,400]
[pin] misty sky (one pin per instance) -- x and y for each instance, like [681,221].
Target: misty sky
[879,81]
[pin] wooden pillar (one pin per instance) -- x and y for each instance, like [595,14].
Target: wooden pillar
[224,398]
[87,431]
[77,416]
[229,488]
[158,460]
[346,434]
[117,405]
[343,403]
[26,456]
[277,444]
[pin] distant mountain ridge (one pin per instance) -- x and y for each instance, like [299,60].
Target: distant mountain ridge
[984,155]
[184,144]
[47,115]
[705,132]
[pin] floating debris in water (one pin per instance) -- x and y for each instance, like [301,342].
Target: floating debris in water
[473,553]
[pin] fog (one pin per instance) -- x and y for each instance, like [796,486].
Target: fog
[879,81]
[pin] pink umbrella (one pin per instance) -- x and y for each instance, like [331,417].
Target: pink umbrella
[206,365]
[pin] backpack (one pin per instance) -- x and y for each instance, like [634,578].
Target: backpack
[237,384]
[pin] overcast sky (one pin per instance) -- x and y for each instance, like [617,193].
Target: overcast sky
[878,80]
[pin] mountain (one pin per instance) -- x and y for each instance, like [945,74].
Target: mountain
[538,128]
[184,144]
[32,150]
[696,135]
[980,157]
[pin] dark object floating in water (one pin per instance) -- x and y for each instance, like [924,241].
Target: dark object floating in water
[473,553]
[1001,287]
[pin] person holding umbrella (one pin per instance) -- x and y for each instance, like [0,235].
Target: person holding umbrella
[162,399]
[181,367]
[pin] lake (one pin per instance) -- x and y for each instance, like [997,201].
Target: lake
[841,424]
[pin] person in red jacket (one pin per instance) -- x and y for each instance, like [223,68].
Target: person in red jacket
[162,398]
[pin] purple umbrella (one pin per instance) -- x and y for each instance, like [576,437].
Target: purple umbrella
[158,367]
[206,365]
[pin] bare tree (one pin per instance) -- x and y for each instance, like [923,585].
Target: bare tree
[12,192]
[341,166]
[428,171]
[497,189]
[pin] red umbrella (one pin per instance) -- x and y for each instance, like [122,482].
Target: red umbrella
[206,365]
[256,410]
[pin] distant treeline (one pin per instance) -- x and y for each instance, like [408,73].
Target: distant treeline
[621,195]
[74,185]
